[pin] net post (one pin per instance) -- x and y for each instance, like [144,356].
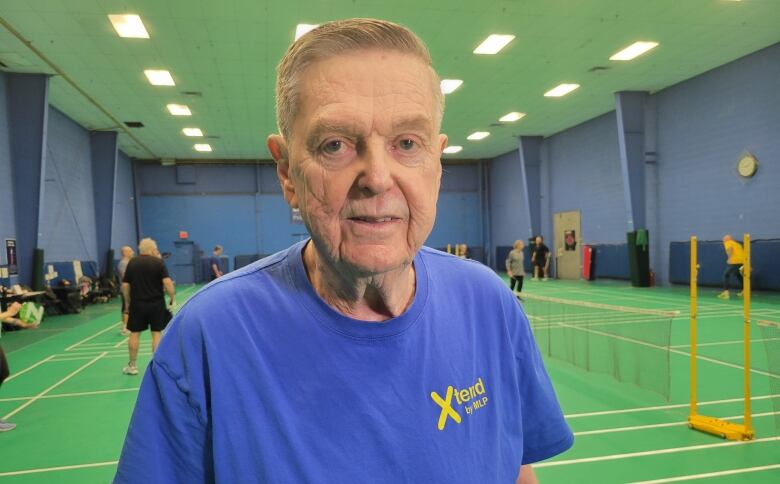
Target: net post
[746,288]
[694,315]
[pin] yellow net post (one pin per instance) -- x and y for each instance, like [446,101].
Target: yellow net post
[746,308]
[694,320]
[711,425]
[449,248]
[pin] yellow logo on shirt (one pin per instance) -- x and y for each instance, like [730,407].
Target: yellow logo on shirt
[462,397]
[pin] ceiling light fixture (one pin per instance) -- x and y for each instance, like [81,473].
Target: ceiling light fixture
[302,29]
[478,135]
[561,90]
[179,109]
[449,85]
[634,50]
[129,26]
[511,117]
[159,77]
[493,44]
[193,132]
[202,147]
[451,150]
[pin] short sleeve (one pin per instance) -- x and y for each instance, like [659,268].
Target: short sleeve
[128,273]
[164,270]
[545,431]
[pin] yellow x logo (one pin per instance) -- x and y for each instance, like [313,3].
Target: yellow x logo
[446,407]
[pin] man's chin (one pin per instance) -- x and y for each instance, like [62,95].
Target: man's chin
[368,261]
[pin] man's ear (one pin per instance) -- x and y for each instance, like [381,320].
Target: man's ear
[277,146]
[442,142]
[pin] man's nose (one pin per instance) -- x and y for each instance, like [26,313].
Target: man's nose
[376,176]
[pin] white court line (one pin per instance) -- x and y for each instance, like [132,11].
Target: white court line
[67,395]
[22,372]
[731,342]
[109,328]
[661,425]
[121,342]
[676,352]
[706,475]
[667,407]
[673,450]
[32,400]
[86,357]
[58,468]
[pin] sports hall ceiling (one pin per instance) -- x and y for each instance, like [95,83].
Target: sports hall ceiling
[227,50]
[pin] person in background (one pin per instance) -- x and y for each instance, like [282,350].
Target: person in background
[515,266]
[145,278]
[9,313]
[214,263]
[127,254]
[735,258]
[540,257]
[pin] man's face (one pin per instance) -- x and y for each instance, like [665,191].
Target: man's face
[127,252]
[538,241]
[363,162]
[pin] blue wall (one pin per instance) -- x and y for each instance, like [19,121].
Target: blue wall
[703,126]
[124,223]
[241,207]
[7,220]
[67,229]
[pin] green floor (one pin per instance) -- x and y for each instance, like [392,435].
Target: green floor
[72,403]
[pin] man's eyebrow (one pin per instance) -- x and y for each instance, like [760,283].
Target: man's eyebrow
[419,122]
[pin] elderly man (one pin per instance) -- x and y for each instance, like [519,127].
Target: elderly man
[357,355]
[144,302]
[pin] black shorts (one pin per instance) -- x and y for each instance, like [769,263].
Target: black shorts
[145,314]
[4,370]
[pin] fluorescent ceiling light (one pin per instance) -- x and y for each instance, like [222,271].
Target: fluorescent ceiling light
[510,117]
[493,44]
[478,135]
[301,29]
[129,26]
[195,132]
[634,50]
[159,78]
[202,147]
[449,85]
[179,109]
[452,149]
[561,90]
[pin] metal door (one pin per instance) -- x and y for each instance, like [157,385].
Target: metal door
[566,231]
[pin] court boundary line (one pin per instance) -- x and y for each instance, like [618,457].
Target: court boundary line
[680,423]
[667,407]
[74,394]
[729,342]
[728,472]
[644,453]
[35,365]
[58,468]
[60,382]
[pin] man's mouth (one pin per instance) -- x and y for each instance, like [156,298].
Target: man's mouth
[374,220]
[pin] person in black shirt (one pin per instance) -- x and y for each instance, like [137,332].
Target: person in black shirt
[540,258]
[214,263]
[142,286]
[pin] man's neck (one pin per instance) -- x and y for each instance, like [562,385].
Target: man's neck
[377,297]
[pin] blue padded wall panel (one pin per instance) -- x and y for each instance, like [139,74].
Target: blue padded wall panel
[508,211]
[460,178]
[68,225]
[208,179]
[610,261]
[123,229]
[7,219]
[227,220]
[457,220]
[276,228]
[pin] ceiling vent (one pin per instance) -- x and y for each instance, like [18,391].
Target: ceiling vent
[598,69]
[192,93]
[134,124]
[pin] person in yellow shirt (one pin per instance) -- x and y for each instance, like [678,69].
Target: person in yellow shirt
[736,257]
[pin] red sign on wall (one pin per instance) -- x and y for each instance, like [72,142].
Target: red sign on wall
[183,234]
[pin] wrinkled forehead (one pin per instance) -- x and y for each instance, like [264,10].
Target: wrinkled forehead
[376,86]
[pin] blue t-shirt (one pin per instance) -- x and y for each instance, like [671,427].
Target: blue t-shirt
[259,380]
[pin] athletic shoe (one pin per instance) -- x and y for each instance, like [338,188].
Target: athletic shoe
[739,294]
[124,332]
[724,295]
[546,279]
[534,278]
[130,370]
[5,426]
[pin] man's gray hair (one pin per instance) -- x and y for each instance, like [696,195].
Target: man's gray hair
[147,246]
[336,38]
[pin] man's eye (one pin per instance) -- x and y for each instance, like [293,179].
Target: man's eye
[333,147]
[407,144]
